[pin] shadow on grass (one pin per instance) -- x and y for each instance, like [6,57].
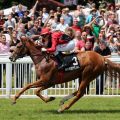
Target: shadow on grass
[92,111]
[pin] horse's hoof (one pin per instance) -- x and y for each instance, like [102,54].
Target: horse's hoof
[52,98]
[13,103]
[59,111]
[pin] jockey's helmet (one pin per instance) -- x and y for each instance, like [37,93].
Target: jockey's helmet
[45,31]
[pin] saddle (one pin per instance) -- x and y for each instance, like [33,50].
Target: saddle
[67,62]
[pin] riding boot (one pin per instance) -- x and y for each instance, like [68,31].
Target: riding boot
[60,59]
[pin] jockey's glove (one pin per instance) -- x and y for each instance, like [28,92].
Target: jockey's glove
[43,49]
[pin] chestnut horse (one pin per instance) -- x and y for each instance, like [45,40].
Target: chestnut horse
[91,65]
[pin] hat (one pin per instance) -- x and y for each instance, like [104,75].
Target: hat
[10,26]
[102,10]
[45,31]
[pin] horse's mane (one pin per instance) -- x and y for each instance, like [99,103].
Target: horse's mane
[31,42]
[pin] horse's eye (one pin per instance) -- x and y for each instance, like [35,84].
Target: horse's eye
[11,50]
[19,46]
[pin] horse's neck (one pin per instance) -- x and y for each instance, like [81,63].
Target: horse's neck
[36,58]
[35,55]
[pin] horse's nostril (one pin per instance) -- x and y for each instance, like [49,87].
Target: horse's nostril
[10,58]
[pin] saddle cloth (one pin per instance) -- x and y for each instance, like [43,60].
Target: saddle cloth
[72,61]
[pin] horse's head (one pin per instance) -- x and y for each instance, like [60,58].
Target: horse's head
[20,50]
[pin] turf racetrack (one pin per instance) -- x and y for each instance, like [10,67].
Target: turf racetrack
[88,108]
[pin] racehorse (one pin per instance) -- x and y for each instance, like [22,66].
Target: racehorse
[91,65]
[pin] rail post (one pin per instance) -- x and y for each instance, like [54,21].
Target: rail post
[8,79]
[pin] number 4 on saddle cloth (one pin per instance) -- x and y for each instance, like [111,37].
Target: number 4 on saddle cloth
[69,62]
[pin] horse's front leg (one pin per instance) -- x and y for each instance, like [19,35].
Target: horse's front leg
[46,83]
[36,84]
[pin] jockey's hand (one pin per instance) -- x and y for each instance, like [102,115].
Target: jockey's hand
[43,49]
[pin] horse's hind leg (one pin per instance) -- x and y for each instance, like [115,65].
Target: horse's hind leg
[79,94]
[66,98]
[48,99]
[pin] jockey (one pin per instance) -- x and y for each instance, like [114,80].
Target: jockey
[61,42]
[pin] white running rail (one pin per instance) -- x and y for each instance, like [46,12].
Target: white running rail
[13,76]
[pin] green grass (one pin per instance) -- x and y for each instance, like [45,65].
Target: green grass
[91,108]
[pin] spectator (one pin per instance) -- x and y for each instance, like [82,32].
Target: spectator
[79,15]
[92,15]
[96,26]
[25,17]
[111,19]
[100,37]
[79,44]
[19,23]
[50,20]
[58,13]
[88,30]
[103,50]
[14,41]
[9,22]
[21,32]
[118,14]
[14,14]
[67,17]
[54,24]
[10,29]
[4,45]
[111,8]
[84,36]
[75,26]
[2,21]
[35,31]
[44,15]
[62,26]
[32,20]
[20,11]
[112,41]
[90,3]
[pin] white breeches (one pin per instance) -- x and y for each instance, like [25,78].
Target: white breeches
[65,47]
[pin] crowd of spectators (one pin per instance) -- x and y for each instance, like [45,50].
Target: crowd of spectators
[94,24]
[91,25]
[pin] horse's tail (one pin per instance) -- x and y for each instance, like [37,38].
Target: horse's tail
[111,66]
